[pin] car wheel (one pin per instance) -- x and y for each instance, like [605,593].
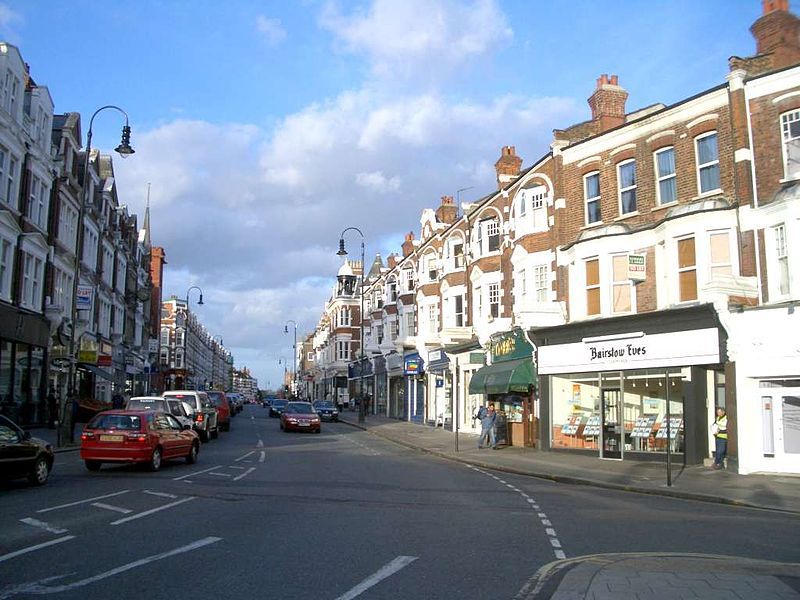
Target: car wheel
[40,472]
[93,465]
[155,460]
[191,458]
[215,433]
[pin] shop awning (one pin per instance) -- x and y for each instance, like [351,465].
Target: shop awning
[97,372]
[503,377]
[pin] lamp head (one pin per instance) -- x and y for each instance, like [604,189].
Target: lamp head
[200,302]
[124,149]
[342,251]
[285,329]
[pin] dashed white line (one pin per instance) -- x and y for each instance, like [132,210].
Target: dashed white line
[22,551]
[161,494]
[42,525]
[560,554]
[113,508]
[250,470]
[555,543]
[151,511]
[195,473]
[546,523]
[550,531]
[220,474]
[79,502]
[262,456]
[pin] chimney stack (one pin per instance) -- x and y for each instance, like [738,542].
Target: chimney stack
[777,32]
[447,211]
[608,103]
[507,166]
[408,245]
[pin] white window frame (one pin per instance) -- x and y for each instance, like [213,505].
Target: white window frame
[664,178]
[630,188]
[780,253]
[32,281]
[541,283]
[680,269]
[587,200]
[623,282]
[493,296]
[68,225]
[37,202]
[789,142]
[712,266]
[708,165]
[10,183]
[432,319]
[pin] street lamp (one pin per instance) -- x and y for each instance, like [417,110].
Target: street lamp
[294,352]
[124,149]
[200,301]
[342,252]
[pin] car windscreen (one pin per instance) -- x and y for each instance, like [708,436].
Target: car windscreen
[144,405]
[323,405]
[112,421]
[216,398]
[299,408]
[279,403]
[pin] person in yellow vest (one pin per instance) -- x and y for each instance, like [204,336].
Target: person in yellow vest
[720,431]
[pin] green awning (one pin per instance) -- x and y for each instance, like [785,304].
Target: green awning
[503,377]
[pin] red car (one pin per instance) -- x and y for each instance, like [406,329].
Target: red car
[300,416]
[141,436]
[223,409]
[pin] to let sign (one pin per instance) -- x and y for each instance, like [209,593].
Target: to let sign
[83,301]
[637,270]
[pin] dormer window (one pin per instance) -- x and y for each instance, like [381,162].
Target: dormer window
[488,236]
[392,291]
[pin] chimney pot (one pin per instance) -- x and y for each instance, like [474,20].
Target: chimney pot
[614,80]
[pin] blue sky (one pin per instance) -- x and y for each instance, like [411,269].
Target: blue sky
[266,128]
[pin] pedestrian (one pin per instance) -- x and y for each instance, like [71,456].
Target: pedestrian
[720,430]
[487,417]
[117,400]
[52,408]
[72,400]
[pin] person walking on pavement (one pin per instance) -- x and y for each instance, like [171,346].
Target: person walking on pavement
[72,400]
[487,418]
[720,430]
[52,408]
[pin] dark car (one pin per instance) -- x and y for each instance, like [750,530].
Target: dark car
[22,455]
[327,411]
[224,411]
[277,406]
[300,416]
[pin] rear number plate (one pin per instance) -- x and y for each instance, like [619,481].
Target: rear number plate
[111,438]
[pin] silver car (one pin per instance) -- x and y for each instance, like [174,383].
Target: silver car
[205,413]
[182,411]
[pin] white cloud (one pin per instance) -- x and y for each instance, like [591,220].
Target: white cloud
[378,182]
[9,18]
[271,29]
[409,37]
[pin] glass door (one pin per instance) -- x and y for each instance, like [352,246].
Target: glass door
[611,423]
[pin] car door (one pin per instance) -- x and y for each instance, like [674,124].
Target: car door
[210,410]
[170,445]
[16,455]
[183,438]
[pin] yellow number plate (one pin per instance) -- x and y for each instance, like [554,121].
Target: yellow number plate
[111,438]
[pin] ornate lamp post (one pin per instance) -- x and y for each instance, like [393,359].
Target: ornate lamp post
[342,252]
[294,353]
[124,149]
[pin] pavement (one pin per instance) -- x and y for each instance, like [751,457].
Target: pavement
[636,575]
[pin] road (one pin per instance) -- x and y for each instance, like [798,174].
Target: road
[343,514]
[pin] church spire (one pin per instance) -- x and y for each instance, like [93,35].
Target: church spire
[144,234]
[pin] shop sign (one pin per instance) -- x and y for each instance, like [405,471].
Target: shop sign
[511,345]
[104,360]
[87,356]
[435,356]
[634,350]
[412,366]
[439,382]
[637,270]
[83,300]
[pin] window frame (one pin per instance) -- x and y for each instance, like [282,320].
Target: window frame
[622,190]
[623,282]
[493,297]
[592,289]
[686,269]
[722,265]
[708,165]
[664,178]
[587,200]
[541,275]
[785,128]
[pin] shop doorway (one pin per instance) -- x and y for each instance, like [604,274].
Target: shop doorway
[611,424]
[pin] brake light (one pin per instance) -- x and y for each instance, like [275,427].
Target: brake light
[137,437]
[199,417]
[87,435]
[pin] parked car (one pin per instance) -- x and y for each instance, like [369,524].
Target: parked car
[326,410]
[236,401]
[223,409]
[277,406]
[137,436]
[180,410]
[267,401]
[22,455]
[300,416]
[205,413]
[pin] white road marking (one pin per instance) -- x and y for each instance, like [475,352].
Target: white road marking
[250,470]
[550,531]
[260,443]
[262,457]
[555,543]
[542,515]
[236,467]
[111,507]
[547,523]
[384,572]
[220,474]
[161,494]
[151,511]
[195,473]
[560,554]
[16,553]
[40,588]
[60,506]
[42,525]
[244,456]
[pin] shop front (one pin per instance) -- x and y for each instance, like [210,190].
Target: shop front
[465,359]
[394,369]
[380,398]
[637,387]
[23,370]
[414,376]
[510,383]
[440,385]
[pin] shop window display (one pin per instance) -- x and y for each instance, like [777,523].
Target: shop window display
[619,412]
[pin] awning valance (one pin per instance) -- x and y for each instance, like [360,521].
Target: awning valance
[503,377]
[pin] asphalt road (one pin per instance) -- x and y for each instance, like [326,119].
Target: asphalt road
[266,514]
